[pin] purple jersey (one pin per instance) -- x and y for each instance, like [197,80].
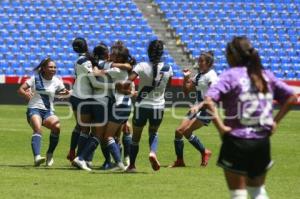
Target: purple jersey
[248,112]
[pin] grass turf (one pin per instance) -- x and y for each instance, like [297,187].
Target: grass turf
[19,179]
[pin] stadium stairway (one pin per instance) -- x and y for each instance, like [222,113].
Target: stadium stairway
[164,32]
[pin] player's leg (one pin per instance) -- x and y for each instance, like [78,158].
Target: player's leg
[256,187]
[52,123]
[187,131]
[126,140]
[179,144]
[155,119]
[35,120]
[139,120]
[73,143]
[114,149]
[84,120]
[236,184]
[76,131]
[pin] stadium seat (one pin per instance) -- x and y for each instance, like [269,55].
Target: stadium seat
[45,28]
[271,26]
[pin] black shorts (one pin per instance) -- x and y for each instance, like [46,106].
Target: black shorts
[100,112]
[81,105]
[249,157]
[142,115]
[119,113]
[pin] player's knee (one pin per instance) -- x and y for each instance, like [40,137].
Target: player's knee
[180,131]
[56,128]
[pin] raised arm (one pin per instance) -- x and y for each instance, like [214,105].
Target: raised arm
[122,66]
[188,84]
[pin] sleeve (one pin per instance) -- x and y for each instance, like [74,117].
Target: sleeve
[221,87]
[213,78]
[107,65]
[87,67]
[30,81]
[281,90]
[113,72]
[138,68]
[60,84]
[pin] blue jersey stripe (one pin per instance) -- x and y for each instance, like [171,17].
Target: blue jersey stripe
[39,86]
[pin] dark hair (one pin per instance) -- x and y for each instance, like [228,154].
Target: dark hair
[245,55]
[122,53]
[101,51]
[42,64]
[209,57]
[155,52]
[80,45]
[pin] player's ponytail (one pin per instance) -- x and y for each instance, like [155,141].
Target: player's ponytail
[155,52]
[245,55]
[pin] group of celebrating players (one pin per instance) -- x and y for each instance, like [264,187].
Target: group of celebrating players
[101,100]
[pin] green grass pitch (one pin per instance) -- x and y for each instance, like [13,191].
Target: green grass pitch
[19,179]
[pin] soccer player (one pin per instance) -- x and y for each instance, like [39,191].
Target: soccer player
[200,82]
[246,91]
[149,105]
[102,107]
[83,90]
[39,91]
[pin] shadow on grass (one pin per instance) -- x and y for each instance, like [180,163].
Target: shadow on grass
[118,172]
[42,167]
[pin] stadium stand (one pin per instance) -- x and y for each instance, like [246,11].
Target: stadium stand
[272,25]
[31,30]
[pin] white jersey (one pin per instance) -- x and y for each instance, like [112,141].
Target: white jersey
[202,83]
[101,94]
[43,91]
[85,81]
[152,97]
[118,75]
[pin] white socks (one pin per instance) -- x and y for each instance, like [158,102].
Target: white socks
[258,192]
[238,194]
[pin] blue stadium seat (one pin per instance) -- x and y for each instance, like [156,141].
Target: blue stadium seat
[262,21]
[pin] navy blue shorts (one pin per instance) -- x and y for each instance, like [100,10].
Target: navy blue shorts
[85,107]
[249,157]
[202,116]
[44,114]
[142,115]
[100,112]
[120,113]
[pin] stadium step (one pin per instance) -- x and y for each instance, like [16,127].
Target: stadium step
[162,30]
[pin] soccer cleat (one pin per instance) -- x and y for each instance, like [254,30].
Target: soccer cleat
[205,157]
[38,160]
[89,164]
[49,160]
[131,169]
[119,167]
[81,164]
[126,161]
[71,156]
[178,163]
[154,162]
